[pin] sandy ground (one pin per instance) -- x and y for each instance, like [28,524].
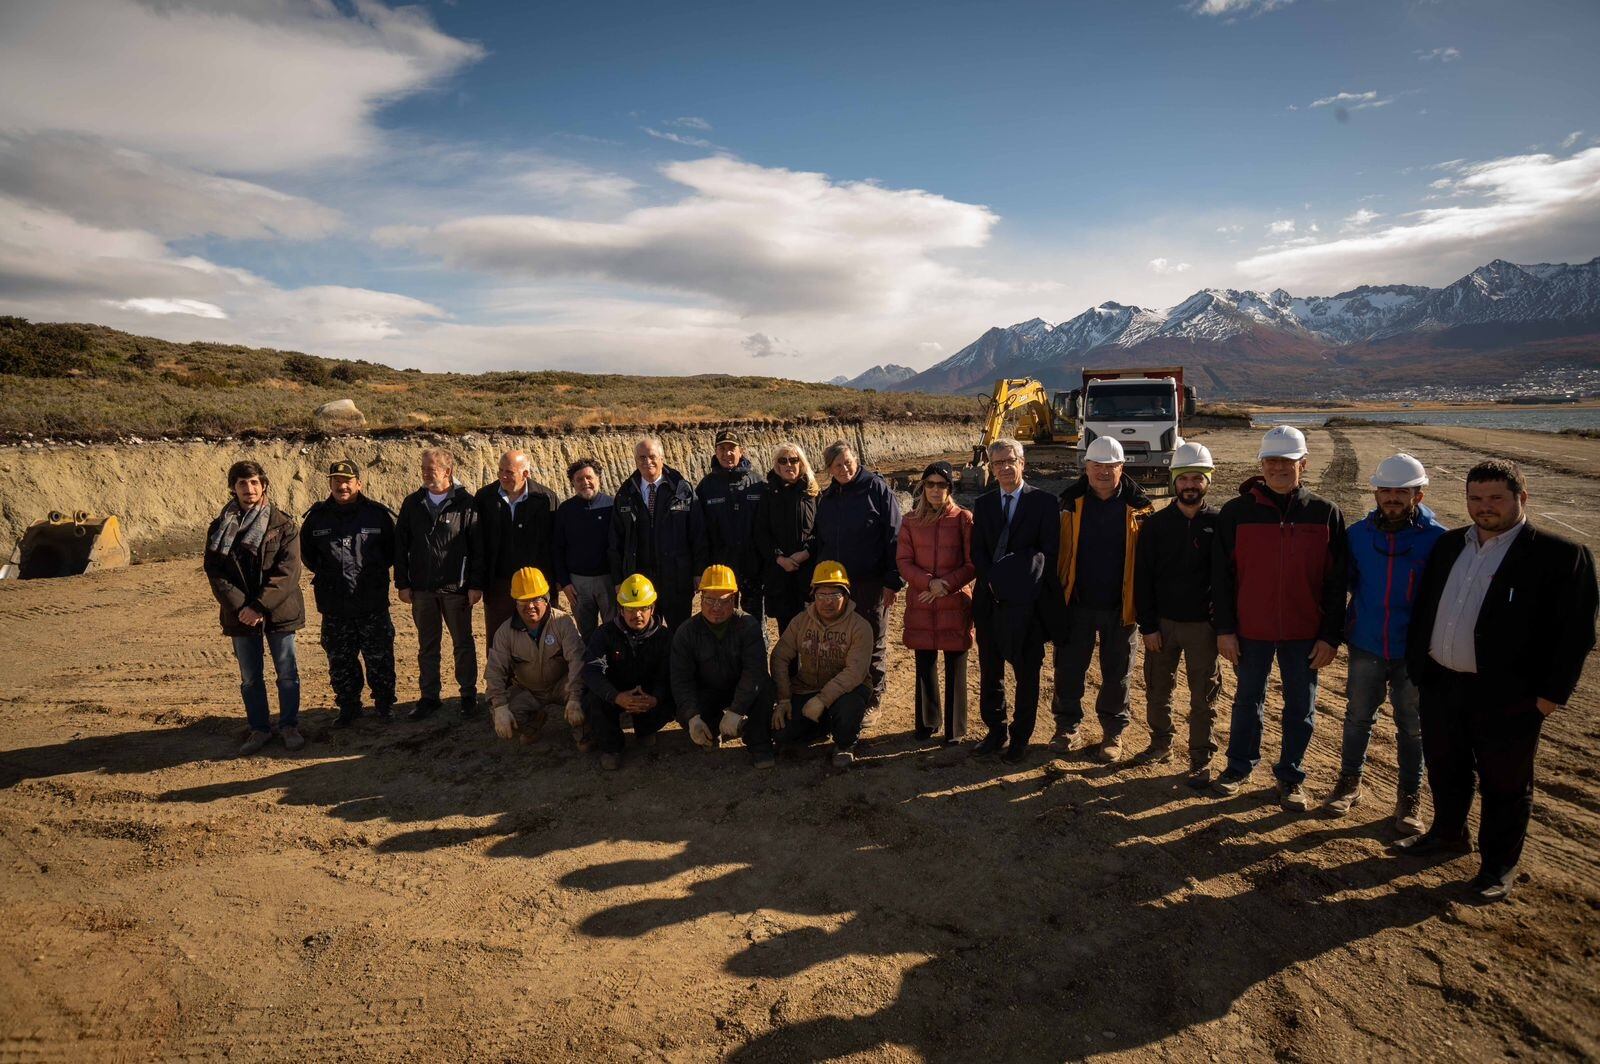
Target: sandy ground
[425,892]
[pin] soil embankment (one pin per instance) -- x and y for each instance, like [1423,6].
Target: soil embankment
[166,492]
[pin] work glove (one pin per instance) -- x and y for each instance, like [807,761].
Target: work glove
[575,714]
[732,724]
[505,725]
[700,733]
[813,709]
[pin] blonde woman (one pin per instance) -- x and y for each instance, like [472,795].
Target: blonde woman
[934,553]
[785,532]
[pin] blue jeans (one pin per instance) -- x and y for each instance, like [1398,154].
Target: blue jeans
[253,680]
[1370,677]
[1250,701]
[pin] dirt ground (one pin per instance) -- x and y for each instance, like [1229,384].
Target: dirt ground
[426,892]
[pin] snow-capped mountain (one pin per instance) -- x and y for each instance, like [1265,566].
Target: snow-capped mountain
[1248,342]
[878,377]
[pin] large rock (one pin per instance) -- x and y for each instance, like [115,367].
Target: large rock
[341,415]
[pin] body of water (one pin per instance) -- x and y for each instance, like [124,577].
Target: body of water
[1535,419]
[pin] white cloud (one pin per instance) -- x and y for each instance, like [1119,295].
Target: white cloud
[930,348]
[1534,205]
[679,138]
[1353,101]
[756,239]
[1231,9]
[1361,218]
[692,122]
[1571,138]
[1162,265]
[564,181]
[1230,230]
[1443,55]
[232,86]
[195,307]
[1281,227]
[760,345]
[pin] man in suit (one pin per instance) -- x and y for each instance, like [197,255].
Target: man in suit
[516,530]
[1503,620]
[1016,532]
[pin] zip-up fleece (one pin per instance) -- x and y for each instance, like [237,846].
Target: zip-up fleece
[434,551]
[1385,573]
[1138,509]
[1278,573]
[1172,576]
[547,662]
[829,658]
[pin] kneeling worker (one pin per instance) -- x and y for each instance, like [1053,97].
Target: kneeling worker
[719,669]
[627,670]
[535,662]
[820,668]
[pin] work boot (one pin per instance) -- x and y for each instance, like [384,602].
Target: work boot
[1109,752]
[1016,753]
[1159,752]
[1294,796]
[254,742]
[529,732]
[992,744]
[843,758]
[385,712]
[1346,796]
[1065,740]
[766,759]
[469,706]
[610,762]
[1408,813]
[292,739]
[1229,783]
[424,708]
[347,716]
[1199,776]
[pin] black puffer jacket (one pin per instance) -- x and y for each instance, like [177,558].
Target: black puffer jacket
[786,522]
[435,552]
[509,543]
[858,526]
[348,550]
[730,498]
[703,661]
[619,659]
[267,580]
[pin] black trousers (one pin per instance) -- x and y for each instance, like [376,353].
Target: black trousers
[1114,704]
[868,597]
[954,716]
[992,683]
[432,612]
[757,721]
[1471,737]
[605,721]
[785,595]
[840,721]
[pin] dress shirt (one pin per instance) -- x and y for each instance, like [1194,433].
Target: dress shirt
[1453,642]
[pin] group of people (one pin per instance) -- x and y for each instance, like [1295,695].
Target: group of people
[1472,635]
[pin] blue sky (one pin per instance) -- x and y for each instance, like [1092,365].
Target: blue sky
[789,189]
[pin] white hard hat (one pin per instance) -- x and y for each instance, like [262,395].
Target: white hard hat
[1105,450]
[1400,471]
[1192,457]
[1283,441]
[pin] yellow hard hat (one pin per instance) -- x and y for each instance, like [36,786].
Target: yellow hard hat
[528,583]
[830,573]
[718,578]
[635,591]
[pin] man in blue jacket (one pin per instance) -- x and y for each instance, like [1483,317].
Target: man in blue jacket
[1388,549]
[582,561]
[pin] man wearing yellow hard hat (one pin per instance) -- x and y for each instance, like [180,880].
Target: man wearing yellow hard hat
[821,667]
[719,669]
[627,673]
[535,663]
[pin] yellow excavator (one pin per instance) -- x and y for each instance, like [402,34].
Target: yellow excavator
[1040,419]
[60,545]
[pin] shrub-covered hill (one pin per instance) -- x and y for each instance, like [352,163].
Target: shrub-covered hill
[90,382]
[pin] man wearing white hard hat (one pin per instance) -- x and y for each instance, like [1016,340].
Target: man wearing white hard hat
[1100,518]
[1172,596]
[1388,549]
[1278,582]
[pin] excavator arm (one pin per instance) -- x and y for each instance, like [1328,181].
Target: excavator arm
[1035,424]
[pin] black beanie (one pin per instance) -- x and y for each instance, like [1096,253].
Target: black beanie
[943,469]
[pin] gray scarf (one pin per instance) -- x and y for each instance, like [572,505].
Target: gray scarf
[238,525]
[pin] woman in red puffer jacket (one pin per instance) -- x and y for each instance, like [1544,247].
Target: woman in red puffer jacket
[935,558]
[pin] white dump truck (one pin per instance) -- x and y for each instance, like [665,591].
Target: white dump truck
[1142,409]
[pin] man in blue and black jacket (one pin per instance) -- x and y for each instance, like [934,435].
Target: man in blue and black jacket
[730,494]
[1388,549]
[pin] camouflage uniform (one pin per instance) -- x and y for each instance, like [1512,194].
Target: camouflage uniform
[349,640]
[349,550]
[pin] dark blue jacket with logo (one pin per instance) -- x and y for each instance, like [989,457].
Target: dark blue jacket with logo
[858,526]
[670,547]
[1385,572]
[348,550]
[730,498]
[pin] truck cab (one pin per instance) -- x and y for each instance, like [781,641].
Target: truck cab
[1142,410]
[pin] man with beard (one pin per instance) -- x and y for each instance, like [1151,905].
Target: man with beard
[730,494]
[1172,596]
[1388,549]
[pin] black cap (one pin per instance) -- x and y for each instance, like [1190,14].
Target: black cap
[344,468]
[942,469]
[727,436]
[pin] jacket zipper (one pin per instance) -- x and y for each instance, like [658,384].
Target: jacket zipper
[1388,590]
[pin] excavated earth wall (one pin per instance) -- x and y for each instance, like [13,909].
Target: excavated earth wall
[167,492]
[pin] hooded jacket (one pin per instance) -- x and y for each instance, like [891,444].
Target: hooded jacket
[941,548]
[435,552]
[730,498]
[786,523]
[1137,509]
[509,541]
[823,658]
[703,661]
[268,581]
[669,546]
[1385,572]
[349,549]
[1278,570]
[857,526]
[548,662]
[619,659]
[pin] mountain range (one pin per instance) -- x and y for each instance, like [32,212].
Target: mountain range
[1500,322]
[882,378]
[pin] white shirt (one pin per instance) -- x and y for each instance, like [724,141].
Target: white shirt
[514,503]
[1453,643]
[651,487]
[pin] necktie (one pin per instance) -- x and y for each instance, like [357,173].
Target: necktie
[650,499]
[1005,527]
[1005,509]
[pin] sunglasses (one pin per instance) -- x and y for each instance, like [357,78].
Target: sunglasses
[945,484]
[788,461]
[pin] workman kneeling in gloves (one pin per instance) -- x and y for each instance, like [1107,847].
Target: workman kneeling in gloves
[820,668]
[719,670]
[627,671]
[535,663]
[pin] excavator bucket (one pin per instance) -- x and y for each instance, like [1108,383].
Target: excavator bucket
[66,546]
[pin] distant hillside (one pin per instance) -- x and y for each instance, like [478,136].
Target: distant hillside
[91,382]
[1500,323]
[878,377]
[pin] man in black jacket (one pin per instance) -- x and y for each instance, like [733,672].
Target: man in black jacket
[628,670]
[582,561]
[720,682]
[347,544]
[729,495]
[1503,621]
[1172,597]
[658,530]
[1015,520]
[439,575]
[516,530]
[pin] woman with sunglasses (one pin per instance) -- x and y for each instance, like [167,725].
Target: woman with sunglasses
[785,533]
[935,558]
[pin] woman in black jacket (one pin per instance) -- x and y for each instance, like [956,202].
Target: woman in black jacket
[785,532]
[253,562]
